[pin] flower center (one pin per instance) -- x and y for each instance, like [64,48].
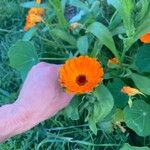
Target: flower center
[81,80]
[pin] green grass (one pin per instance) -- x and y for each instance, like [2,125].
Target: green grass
[10,31]
[58,133]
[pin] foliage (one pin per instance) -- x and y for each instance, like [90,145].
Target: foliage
[107,29]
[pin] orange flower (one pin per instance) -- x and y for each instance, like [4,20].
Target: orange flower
[31,21]
[34,16]
[28,26]
[38,1]
[81,74]
[113,61]
[36,11]
[130,91]
[145,38]
[74,25]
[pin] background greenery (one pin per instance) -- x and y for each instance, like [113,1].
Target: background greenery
[58,132]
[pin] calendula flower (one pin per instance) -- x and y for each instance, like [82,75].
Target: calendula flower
[145,38]
[38,1]
[130,91]
[74,25]
[81,74]
[113,61]
[28,26]
[36,11]
[31,21]
[34,16]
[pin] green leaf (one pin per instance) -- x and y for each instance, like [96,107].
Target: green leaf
[59,12]
[115,3]
[144,26]
[95,7]
[106,126]
[102,107]
[104,35]
[126,146]
[125,9]
[65,36]
[92,125]
[72,109]
[32,4]
[63,4]
[29,34]
[79,4]
[138,117]
[115,87]
[142,29]
[118,116]
[141,82]
[105,102]
[22,57]
[142,60]
[143,9]
[115,21]
[118,30]
[82,45]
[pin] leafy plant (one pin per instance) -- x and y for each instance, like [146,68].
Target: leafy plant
[102,36]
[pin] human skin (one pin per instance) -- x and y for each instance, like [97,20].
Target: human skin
[40,98]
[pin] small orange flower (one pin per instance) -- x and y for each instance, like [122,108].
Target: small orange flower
[34,16]
[36,11]
[31,21]
[130,91]
[81,74]
[74,25]
[38,1]
[145,38]
[113,61]
[28,26]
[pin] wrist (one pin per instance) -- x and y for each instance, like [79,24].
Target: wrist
[26,117]
[14,119]
[8,121]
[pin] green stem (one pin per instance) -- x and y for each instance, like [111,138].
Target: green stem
[126,48]
[116,54]
[122,56]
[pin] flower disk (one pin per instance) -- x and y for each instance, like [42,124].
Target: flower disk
[80,74]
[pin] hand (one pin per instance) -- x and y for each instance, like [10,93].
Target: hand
[41,92]
[40,98]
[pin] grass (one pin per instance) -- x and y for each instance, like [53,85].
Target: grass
[56,133]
